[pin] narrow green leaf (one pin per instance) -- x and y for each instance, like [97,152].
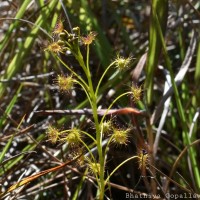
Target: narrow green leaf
[9,107]
[197,69]
[161,10]
[19,14]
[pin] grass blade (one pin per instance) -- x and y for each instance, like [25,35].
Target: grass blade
[161,9]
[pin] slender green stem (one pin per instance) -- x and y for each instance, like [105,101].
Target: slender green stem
[116,99]
[79,58]
[122,163]
[74,73]
[86,146]
[93,99]
[86,91]
[99,83]
[97,126]
[87,58]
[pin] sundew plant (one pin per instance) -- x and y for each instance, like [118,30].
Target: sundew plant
[105,133]
[100,100]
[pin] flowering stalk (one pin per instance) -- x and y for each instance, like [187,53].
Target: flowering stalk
[73,136]
[97,127]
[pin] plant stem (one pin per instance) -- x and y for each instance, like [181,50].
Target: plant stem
[93,101]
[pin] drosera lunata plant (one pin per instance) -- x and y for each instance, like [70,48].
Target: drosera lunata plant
[180,44]
[106,133]
[111,124]
[71,42]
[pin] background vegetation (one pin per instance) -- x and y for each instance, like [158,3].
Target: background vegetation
[160,39]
